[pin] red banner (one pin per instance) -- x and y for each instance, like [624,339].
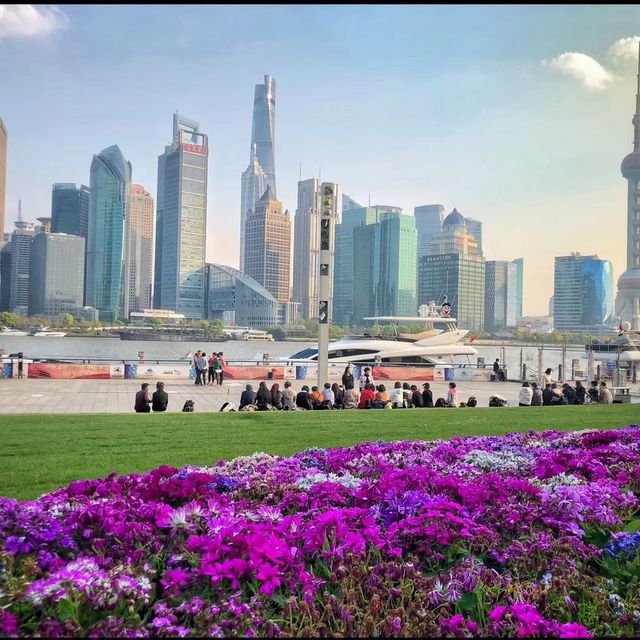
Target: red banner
[69,371]
[405,374]
[254,373]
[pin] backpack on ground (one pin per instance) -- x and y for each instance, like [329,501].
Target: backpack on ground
[227,406]
[189,406]
[440,402]
[498,401]
[472,402]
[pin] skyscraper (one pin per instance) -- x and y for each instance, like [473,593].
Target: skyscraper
[454,237]
[110,185]
[384,267]
[56,274]
[268,246]
[429,219]
[261,171]
[140,249]
[343,273]
[181,221]
[3,173]
[306,246]
[5,274]
[629,281]
[520,287]
[70,209]
[20,266]
[475,229]
[349,203]
[500,295]
[582,293]
[254,184]
[263,128]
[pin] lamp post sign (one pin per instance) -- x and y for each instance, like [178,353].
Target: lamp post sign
[327,220]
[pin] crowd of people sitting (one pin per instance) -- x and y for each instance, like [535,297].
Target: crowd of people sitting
[556,394]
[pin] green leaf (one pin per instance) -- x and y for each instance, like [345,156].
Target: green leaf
[633,526]
[468,602]
[65,610]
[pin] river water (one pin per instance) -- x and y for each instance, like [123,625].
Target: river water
[118,350]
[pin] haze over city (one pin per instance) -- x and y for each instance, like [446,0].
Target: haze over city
[517,116]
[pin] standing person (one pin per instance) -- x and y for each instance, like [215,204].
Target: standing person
[547,396]
[397,396]
[547,378]
[452,395]
[416,397]
[203,365]
[594,395]
[196,366]
[288,397]
[143,399]
[605,396]
[276,396]
[217,369]
[536,395]
[526,395]
[248,397]
[347,378]
[263,397]
[427,395]
[499,375]
[212,365]
[160,398]
[581,393]
[303,399]
[20,365]
[220,370]
[366,378]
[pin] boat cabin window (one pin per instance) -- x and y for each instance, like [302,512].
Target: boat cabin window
[351,353]
[305,353]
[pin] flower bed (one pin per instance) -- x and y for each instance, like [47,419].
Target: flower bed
[521,535]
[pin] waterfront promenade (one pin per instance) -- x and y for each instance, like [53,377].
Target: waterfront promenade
[117,396]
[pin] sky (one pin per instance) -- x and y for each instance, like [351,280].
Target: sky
[518,116]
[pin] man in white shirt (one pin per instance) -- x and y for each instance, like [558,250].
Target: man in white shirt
[396,397]
[328,395]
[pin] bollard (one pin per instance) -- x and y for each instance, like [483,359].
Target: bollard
[524,372]
[598,373]
[560,372]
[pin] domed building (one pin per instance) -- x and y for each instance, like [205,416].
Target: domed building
[628,301]
[455,237]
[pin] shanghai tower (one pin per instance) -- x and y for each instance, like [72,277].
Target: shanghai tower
[629,282]
[261,172]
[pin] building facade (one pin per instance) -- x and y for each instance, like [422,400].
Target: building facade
[461,278]
[3,174]
[253,185]
[263,129]
[56,274]
[5,274]
[306,246]
[629,281]
[349,203]
[519,287]
[429,218]
[475,229]
[343,275]
[500,295]
[582,294]
[236,299]
[268,246]
[70,209]
[139,265]
[181,222]
[110,186]
[454,237]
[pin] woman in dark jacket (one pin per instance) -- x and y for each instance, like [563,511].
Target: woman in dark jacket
[263,397]
[347,378]
[338,395]
[276,397]
[581,393]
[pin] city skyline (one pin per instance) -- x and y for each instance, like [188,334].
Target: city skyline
[551,92]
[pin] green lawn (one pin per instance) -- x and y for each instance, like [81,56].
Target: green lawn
[39,453]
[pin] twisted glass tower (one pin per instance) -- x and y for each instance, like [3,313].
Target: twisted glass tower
[108,212]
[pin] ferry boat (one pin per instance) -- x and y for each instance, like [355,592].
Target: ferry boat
[5,331]
[45,332]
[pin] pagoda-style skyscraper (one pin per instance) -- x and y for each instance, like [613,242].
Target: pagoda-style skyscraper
[629,282]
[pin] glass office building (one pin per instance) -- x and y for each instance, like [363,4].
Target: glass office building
[234,297]
[429,218]
[181,222]
[110,186]
[519,287]
[501,293]
[70,209]
[56,274]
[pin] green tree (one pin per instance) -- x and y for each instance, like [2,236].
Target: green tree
[8,319]
[83,323]
[277,332]
[68,321]
[217,328]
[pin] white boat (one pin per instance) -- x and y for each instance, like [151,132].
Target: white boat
[438,343]
[5,331]
[45,332]
[255,336]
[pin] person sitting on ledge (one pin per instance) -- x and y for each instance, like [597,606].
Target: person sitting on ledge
[247,397]
[303,399]
[143,399]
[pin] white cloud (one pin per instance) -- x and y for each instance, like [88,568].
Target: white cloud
[624,50]
[583,68]
[28,20]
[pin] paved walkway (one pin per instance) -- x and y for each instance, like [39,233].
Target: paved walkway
[117,396]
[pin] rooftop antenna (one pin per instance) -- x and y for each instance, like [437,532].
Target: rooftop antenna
[300,175]
[369,197]
[20,210]
[320,174]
